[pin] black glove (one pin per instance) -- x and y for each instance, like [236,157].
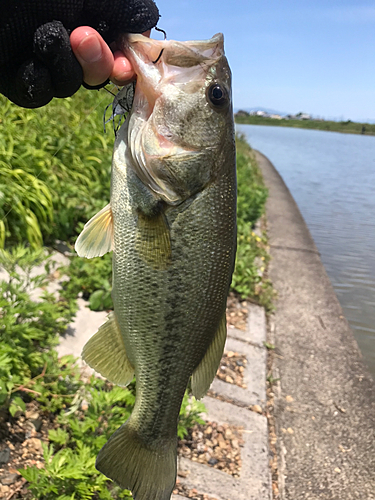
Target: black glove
[36,60]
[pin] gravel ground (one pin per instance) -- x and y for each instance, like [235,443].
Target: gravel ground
[231,368]
[218,446]
[237,311]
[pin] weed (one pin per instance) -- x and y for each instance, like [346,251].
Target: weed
[269,346]
[85,413]
[252,255]
[30,326]
[92,278]
[54,172]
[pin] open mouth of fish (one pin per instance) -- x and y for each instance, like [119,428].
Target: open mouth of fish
[162,68]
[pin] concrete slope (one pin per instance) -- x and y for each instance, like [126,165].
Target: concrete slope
[325,399]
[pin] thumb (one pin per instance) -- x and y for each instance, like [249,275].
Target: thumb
[93,54]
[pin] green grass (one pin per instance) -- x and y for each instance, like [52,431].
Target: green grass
[347,127]
[252,255]
[54,168]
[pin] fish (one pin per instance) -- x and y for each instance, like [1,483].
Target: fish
[171,223]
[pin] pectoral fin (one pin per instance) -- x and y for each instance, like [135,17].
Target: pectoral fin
[96,238]
[153,241]
[105,353]
[204,374]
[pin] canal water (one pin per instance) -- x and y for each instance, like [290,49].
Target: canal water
[332,178]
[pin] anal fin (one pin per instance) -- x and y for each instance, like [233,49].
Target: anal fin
[105,353]
[205,372]
[153,241]
[96,239]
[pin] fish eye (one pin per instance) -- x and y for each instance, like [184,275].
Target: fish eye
[217,95]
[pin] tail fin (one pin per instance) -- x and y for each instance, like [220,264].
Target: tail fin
[149,474]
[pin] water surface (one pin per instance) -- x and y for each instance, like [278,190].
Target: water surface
[332,178]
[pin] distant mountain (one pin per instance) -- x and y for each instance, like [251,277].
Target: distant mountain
[266,110]
[271,111]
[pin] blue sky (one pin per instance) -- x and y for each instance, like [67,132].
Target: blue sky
[312,56]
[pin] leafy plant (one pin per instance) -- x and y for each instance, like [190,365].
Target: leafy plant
[69,470]
[17,405]
[92,278]
[251,193]
[252,256]
[69,475]
[54,172]
[26,207]
[190,412]
[29,326]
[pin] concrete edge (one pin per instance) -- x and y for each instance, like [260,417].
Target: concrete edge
[311,247]
[358,372]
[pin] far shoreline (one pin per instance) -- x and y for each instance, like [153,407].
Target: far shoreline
[345,127]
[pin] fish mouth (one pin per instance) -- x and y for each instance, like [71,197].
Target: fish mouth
[161,64]
[150,166]
[180,54]
[157,62]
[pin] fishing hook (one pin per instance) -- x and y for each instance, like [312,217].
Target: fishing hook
[162,31]
[162,50]
[159,56]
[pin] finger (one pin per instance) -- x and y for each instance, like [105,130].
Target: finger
[28,86]
[123,72]
[93,54]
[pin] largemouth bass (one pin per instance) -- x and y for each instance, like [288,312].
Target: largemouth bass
[171,223]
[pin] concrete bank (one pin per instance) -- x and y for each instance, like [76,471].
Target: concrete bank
[325,398]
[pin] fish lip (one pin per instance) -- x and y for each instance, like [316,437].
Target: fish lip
[127,44]
[142,52]
[200,50]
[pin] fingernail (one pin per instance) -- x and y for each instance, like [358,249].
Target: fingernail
[90,49]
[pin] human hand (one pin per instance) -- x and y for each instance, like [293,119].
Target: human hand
[36,58]
[97,60]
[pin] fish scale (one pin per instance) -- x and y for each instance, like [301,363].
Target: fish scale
[166,316]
